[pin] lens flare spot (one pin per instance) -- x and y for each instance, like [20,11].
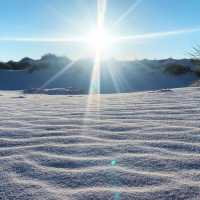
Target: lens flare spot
[114,163]
[117,196]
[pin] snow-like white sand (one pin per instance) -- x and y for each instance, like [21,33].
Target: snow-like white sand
[139,146]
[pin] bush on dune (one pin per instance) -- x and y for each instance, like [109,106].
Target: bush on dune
[46,61]
[195,53]
[177,69]
[197,70]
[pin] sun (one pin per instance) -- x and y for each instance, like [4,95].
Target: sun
[99,39]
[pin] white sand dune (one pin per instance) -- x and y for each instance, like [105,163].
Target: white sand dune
[139,146]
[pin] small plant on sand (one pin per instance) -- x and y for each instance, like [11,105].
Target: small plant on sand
[195,54]
[176,69]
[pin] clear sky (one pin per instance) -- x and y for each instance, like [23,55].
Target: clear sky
[64,18]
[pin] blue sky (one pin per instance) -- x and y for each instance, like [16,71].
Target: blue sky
[62,18]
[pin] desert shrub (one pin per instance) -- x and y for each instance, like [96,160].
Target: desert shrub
[176,69]
[195,53]
[196,70]
[195,61]
[4,66]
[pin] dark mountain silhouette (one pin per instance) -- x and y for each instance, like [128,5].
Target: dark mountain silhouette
[116,76]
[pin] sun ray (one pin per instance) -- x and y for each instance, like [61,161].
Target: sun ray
[58,74]
[94,97]
[112,39]
[114,79]
[127,12]
[154,35]
[101,11]
[44,40]
[69,22]
[95,79]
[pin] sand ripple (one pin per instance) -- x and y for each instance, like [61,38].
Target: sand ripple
[139,146]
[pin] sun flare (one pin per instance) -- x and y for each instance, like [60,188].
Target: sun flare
[99,39]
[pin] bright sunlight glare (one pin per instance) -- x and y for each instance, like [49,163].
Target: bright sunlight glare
[98,39]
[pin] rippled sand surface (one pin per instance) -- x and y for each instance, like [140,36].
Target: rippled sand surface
[139,146]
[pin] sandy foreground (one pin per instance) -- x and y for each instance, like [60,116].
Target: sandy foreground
[139,146]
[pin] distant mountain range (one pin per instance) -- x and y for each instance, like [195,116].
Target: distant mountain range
[52,71]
